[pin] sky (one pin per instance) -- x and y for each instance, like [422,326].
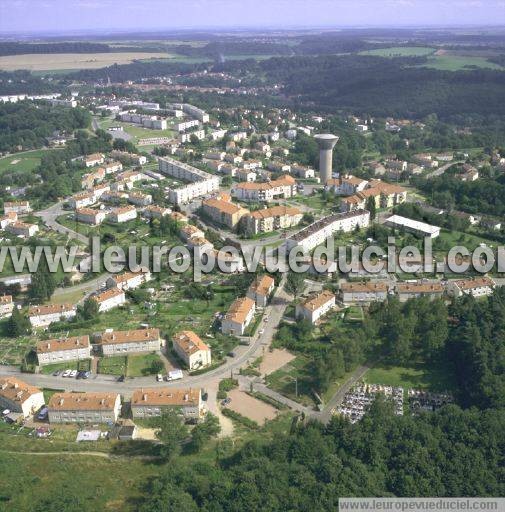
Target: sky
[67,16]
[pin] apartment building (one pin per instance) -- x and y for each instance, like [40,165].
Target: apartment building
[84,407]
[18,207]
[477,287]
[246,175]
[155,212]
[347,185]
[302,172]
[7,219]
[89,216]
[19,397]
[113,343]
[151,402]
[261,289]
[412,290]
[6,306]
[384,195]
[272,219]
[238,317]
[42,316]
[112,167]
[281,188]
[139,199]
[129,280]
[94,159]
[186,125]
[123,214]
[192,111]
[223,212]
[412,226]
[22,229]
[192,350]
[315,306]
[110,299]
[318,232]
[151,122]
[82,200]
[364,292]
[61,350]
[190,231]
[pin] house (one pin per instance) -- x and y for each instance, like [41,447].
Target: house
[190,231]
[42,316]
[84,407]
[223,212]
[178,217]
[6,306]
[155,212]
[478,287]
[315,306]
[191,349]
[490,224]
[19,207]
[364,292]
[214,155]
[89,216]
[151,402]
[19,397]
[238,317]
[22,229]
[271,219]
[261,289]
[281,188]
[139,199]
[109,299]
[413,226]
[7,219]
[200,243]
[75,348]
[123,214]
[113,343]
[94,159]
[112,167]
[347,185]
[129,280]
[82,200]
[246,175]
[303,172]
[411,290]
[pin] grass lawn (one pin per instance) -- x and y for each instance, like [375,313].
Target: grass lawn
[115,365]
[457,63]
[416,375]
[140,365]
[135,130]
[22,162]
[354,314]
[83,365]
[400,51]
[49,392]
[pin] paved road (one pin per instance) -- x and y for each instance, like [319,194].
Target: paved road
[441,170]
[49,217]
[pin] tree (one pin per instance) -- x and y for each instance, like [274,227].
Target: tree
[89,309]
[172,432]
[43,282]
[295,283]
[371,207]
[18,324]
[204,431]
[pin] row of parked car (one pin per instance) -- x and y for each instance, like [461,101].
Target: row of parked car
[74,374]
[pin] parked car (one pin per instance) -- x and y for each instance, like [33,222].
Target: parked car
[56,373]
[79,375]
[86,375]
[261,331]
[42,415]
[121,378]
[231,354]
[66,373]
[73,373]
[159,377]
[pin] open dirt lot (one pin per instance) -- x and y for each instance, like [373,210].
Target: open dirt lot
[251,407]
[274,360]
[54,61]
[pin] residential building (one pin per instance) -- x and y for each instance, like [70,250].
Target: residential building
[94,159]
[109,299]
[179,217]
[281,188]
[364,292]
[189,231]
[7,219]
[246,175]
[477,287]
[302,172]
[42,316]
[239,316]
[89,216]
[347,185]
[19,397]
[261,289]
[22,229]
[315,306]
[123,214]
[186,125]
[112,167]
[151,122]
[6,306]
[412,290]
[384,195]
[62,350]
[129,280]
[139,199]
[413,226]
[84,407]
[223,212]
[114,343]
[272,219]
[192,350]
[156,212]
[186,137]
[151,402]
[82,200]
[18,207]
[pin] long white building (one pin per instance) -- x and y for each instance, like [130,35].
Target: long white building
[62,350]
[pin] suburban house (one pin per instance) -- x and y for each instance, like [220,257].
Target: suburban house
[22,229]
[19,207]
[281,188]
[146,403]
[271,219]
[42,316]
[94,159]
[123,342]
[261,289]
[7,219]
[384,195]
[139,199]
[364,292]
[191,349]
[110,299]
[19,397]
[61,350]
[123,214]
[129,280]
[189,231]
[238,317]
[223,212]
[89,216]
[347,185]
[82,199]
[315,306]
[478,287]
[84,407]
[431,289]
[6,306]
[155,212]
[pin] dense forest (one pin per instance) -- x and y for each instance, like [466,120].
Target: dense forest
[15,48]
[23,82]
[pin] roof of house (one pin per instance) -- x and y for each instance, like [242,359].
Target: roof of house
[87,211]
[93,157]
[83,401]
[223,206]
[108,294]
[118,337]
[165,396]
[5,299]
[50,309]
[318,300]
[123,209]
[189,342]
[126,276]
[282,181]
[420,287]
[478,282]
[261,285]
[15,390]
[240,309]
[13,204]
[367,286]
[275,211]
[55,345]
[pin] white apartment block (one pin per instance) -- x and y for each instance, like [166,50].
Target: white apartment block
[316,306]
[260,290]
[113,167]
[217,134]
[192,350]
[151,402]
[20,397]
[123,214]
[186,125]
[82,200]
[89,216]
[478,287]
[62,350]
[192,111]
[186,137]
[147,121]
[271,219]
[126,342]
[6,306]
[42,316]
[110,299]
[94,159]
[363,293]
[139,199]
[18,207]
[281,188]
[84,407]
[238,317]
[129,280]
[318,232]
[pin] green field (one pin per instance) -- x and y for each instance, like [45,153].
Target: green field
[22,162]
[131,366]
[134,130]
[400,51]
[458,63]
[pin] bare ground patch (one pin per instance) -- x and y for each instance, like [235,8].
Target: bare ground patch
[250,407]
[274,360]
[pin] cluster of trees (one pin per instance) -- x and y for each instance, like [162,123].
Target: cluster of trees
[446,220]
[24,82]
[27,124]
[15,48]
